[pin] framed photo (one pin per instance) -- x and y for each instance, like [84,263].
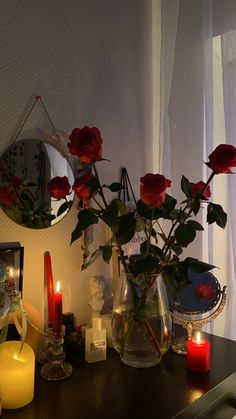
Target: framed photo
[11,269]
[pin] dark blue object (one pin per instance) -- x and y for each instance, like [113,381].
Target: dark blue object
[187,300]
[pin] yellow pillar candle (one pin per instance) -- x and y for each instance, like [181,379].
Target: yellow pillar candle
[16,374]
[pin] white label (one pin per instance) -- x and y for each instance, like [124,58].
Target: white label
[98,345]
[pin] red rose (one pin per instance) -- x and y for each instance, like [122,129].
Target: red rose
[11,283]
[59,187]
[86,143]
[204,291]
[153,189]
[81,188]
[198,187]
[7,196]
[16,182]
[222,159]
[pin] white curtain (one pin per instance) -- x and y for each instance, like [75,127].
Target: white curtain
[188,131]
[169,22]
[229,86]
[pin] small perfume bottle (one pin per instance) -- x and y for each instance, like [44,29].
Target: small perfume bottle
[95,342]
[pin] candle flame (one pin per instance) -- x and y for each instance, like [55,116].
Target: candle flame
[198,337]
[11,272]
[165,332]
[58,287]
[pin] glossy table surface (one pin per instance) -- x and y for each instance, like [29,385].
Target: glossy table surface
[110,389]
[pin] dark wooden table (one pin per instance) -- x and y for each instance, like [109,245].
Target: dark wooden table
[109,389]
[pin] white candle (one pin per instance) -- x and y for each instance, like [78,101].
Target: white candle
[16,374]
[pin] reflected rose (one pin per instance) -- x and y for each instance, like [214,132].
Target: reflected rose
[7,196]
[204,291]
[59,187]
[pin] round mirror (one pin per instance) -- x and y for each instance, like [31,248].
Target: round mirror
[199,297]
[26,168]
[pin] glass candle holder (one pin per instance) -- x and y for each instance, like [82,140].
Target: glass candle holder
[44,355]
[55,367]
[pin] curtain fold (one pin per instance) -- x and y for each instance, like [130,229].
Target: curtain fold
[228,42]
[188,126]
[169,22]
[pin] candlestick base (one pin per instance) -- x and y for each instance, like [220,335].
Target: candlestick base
[44,355]
[56,368]
[179,345]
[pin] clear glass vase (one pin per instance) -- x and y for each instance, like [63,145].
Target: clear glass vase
[141,320]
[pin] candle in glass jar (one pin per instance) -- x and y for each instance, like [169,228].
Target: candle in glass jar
[198,354]
[58,310]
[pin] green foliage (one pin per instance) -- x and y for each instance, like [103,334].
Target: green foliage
[185,234]
[186,187]
[126,228]
[216,214]
[115,187]
[106,253]
[161,247]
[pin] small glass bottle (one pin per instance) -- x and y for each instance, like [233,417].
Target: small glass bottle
[95,342]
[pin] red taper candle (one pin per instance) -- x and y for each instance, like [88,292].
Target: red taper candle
[58,310]
[50,287]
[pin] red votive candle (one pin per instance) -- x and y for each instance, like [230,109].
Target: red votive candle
[50,287]
[58,310]
[198,354]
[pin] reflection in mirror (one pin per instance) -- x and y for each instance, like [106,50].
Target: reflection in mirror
[26,168]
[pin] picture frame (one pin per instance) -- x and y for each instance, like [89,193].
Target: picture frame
[11,268]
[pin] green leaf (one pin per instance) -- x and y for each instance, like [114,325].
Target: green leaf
[122,209]
[186,186]
[76,233]
[111,220]
[86,218]
[93,184]
[106,253]
[154,235]
[27,197]
[126,229]
[169,203]
[177,249]
[146,211]
[115,187]
[195,206]
[198,266]
[63,208]
[153,250]
[150,264]
[140,225]
[110,216]
[27,184]
[176,276]
[195,225]
[185,234]
[179,215]
[215,213]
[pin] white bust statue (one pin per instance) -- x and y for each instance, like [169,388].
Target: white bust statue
[96,290]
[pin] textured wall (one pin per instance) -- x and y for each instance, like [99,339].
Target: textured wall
[90,62]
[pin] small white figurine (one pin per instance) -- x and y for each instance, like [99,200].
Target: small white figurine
[97,300]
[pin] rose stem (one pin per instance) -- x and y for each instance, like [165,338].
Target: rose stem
[165,247]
